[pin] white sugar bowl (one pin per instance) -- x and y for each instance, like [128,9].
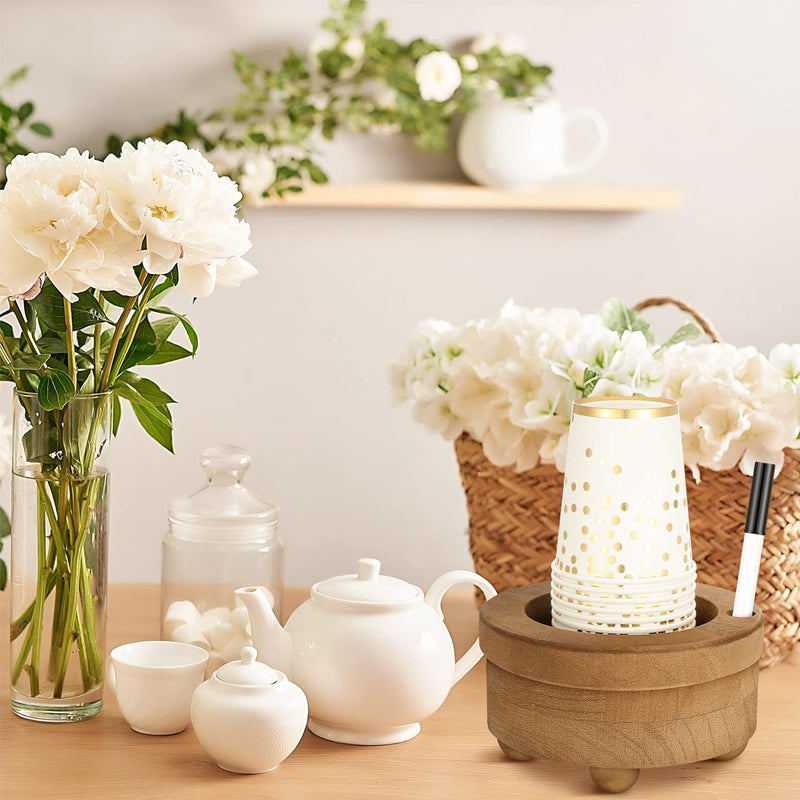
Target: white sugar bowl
[248,716]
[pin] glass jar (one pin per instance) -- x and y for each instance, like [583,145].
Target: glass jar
[220,538]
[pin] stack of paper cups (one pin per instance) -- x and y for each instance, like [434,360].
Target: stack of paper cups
[624,559]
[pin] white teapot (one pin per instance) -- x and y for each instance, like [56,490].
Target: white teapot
[508,144]
[372,653]
[247,716]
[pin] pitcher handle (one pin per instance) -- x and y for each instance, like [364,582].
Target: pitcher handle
[434,599]
[601,145]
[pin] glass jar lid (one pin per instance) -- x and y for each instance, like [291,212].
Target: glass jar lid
[223,509]
[368,586]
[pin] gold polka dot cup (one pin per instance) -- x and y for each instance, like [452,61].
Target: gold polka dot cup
[624,516]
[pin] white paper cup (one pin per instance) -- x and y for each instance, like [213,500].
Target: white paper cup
[641,586]
[624,510]
[154,682]
[610,615]
[623,605]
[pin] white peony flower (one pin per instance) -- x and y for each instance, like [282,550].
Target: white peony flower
[438,76]
[735,406]
[257,175]
[55,219]
[171,195]
[468,62]
[509,43]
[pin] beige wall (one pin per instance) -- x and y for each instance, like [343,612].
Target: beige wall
[699,94]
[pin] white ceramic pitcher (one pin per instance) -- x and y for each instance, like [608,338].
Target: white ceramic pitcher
[508,144]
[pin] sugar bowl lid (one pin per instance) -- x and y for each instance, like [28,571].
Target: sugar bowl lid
[367,587]
[247,671]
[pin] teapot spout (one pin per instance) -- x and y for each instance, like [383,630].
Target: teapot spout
[273,643]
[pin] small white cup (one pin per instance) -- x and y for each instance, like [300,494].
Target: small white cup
[154,682]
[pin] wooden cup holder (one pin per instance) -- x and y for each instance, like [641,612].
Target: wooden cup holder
[619,703]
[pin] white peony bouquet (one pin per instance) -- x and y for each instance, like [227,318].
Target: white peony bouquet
[89,251]
[509,383]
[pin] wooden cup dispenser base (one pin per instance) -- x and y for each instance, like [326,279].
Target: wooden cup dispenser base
[619,703]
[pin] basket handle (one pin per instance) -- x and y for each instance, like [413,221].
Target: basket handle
[698,317]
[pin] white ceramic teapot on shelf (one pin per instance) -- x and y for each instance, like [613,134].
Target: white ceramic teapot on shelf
[371,652]
[509,144]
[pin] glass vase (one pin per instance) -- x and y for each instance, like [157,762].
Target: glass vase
[59,530]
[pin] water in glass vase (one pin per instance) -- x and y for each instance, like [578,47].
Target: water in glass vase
[58,593]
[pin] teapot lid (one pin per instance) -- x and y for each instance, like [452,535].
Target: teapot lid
[247,671]
[368,586]
[223,508]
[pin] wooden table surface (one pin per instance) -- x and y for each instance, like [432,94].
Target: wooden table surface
[454,757]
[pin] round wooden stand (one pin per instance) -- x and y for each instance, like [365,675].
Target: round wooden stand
[619,703]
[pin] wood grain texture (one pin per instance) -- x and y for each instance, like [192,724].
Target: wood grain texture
[432,195]
[455,757]
[626,701]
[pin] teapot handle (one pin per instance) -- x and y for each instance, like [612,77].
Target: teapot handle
[434,599]
[601,144]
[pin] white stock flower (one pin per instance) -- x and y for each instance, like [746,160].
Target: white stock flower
[509,43]
[55,219]
[438,76]
[257,175]
[786,359]
[423,376]
[171,195]
[735,406]
[226,160]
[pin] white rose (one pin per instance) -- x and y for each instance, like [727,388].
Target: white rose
[257,175]
[438,76]
[55,219]
[469,63]
[171,195]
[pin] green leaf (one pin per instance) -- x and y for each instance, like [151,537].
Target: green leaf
[3,574]
[191,333]
[49,305]
[30,361]
[157,422]
[5,524]
[619,318]
[55,390]
[316,174]
[116,299]
[163,329]
[169,351]
[685,333]
[42,128]
[130,385]
[24,111]
[143,346]
[52,343]
[590,379]
[116,414]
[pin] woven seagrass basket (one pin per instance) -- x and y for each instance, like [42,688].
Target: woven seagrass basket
[513,527]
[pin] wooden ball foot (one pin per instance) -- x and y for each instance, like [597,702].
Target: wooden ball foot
[733,754]
[614,780]
[513,754]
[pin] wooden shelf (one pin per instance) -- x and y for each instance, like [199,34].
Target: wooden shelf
[432,195]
